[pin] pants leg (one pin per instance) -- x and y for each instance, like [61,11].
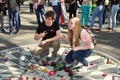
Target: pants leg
[81,55]
[56,46]
[57,10]
[114,14]
[42,12]
[69,58]
[37,16]
[2,19]
[89,8]
[94,15]
[10,20]
[83,15]
[16,15]
[100,15]
[45,48]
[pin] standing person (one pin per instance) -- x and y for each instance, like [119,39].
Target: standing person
[86,10]
[31,6]
[98,12]
[19,3]
[72,8]
[13,10]
[106,8]
[2,7]
[57,8]
[112,15]
[39,10]
[80,42]
[49,32]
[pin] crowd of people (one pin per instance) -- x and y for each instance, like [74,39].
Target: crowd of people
[48,29]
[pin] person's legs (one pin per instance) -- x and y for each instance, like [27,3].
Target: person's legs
[101,9]
[42,12]
[74,13]
[31,7]
[41,49]
[56,47]
[104,13]
[114,14]
[69,58]
[83,15]
[38,16]
[2,21]
[70,14]
[88,11]
[57,10]
[94,15]
[17,20]
[10,21]
[110,19]
[81,55]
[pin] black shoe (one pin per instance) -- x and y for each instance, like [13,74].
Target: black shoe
[17,32]
[108,28]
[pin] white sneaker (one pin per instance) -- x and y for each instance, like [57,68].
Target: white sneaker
[83,69]
[69,65]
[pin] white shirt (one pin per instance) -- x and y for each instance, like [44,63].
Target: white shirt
[54,2]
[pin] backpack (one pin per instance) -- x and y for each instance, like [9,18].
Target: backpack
[94,41]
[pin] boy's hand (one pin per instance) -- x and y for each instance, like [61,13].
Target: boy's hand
[43,42]
[44,33]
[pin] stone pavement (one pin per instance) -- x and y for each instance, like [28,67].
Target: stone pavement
[108,46]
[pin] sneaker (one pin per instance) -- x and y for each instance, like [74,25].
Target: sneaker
[69,65]
[3,30]
[17,32]
[83,69]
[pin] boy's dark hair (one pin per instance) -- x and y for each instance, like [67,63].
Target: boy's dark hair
[51,14]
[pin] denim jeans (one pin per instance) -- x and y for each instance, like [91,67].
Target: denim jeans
[86,10]
[2,19]
[79,55]
[38,12]
[13,14]
[112,16]
[57,9]
[98,12]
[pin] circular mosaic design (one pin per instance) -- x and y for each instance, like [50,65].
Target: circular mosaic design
[20,64]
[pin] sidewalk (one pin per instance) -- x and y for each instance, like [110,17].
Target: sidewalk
[108,43]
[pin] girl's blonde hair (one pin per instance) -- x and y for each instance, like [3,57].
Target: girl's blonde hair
[77,31]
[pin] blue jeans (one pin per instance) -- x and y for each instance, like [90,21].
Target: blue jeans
[98,12]
[79,55]
[39,11]
[57,10]
[13,14]
[86,10]
[112,16]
